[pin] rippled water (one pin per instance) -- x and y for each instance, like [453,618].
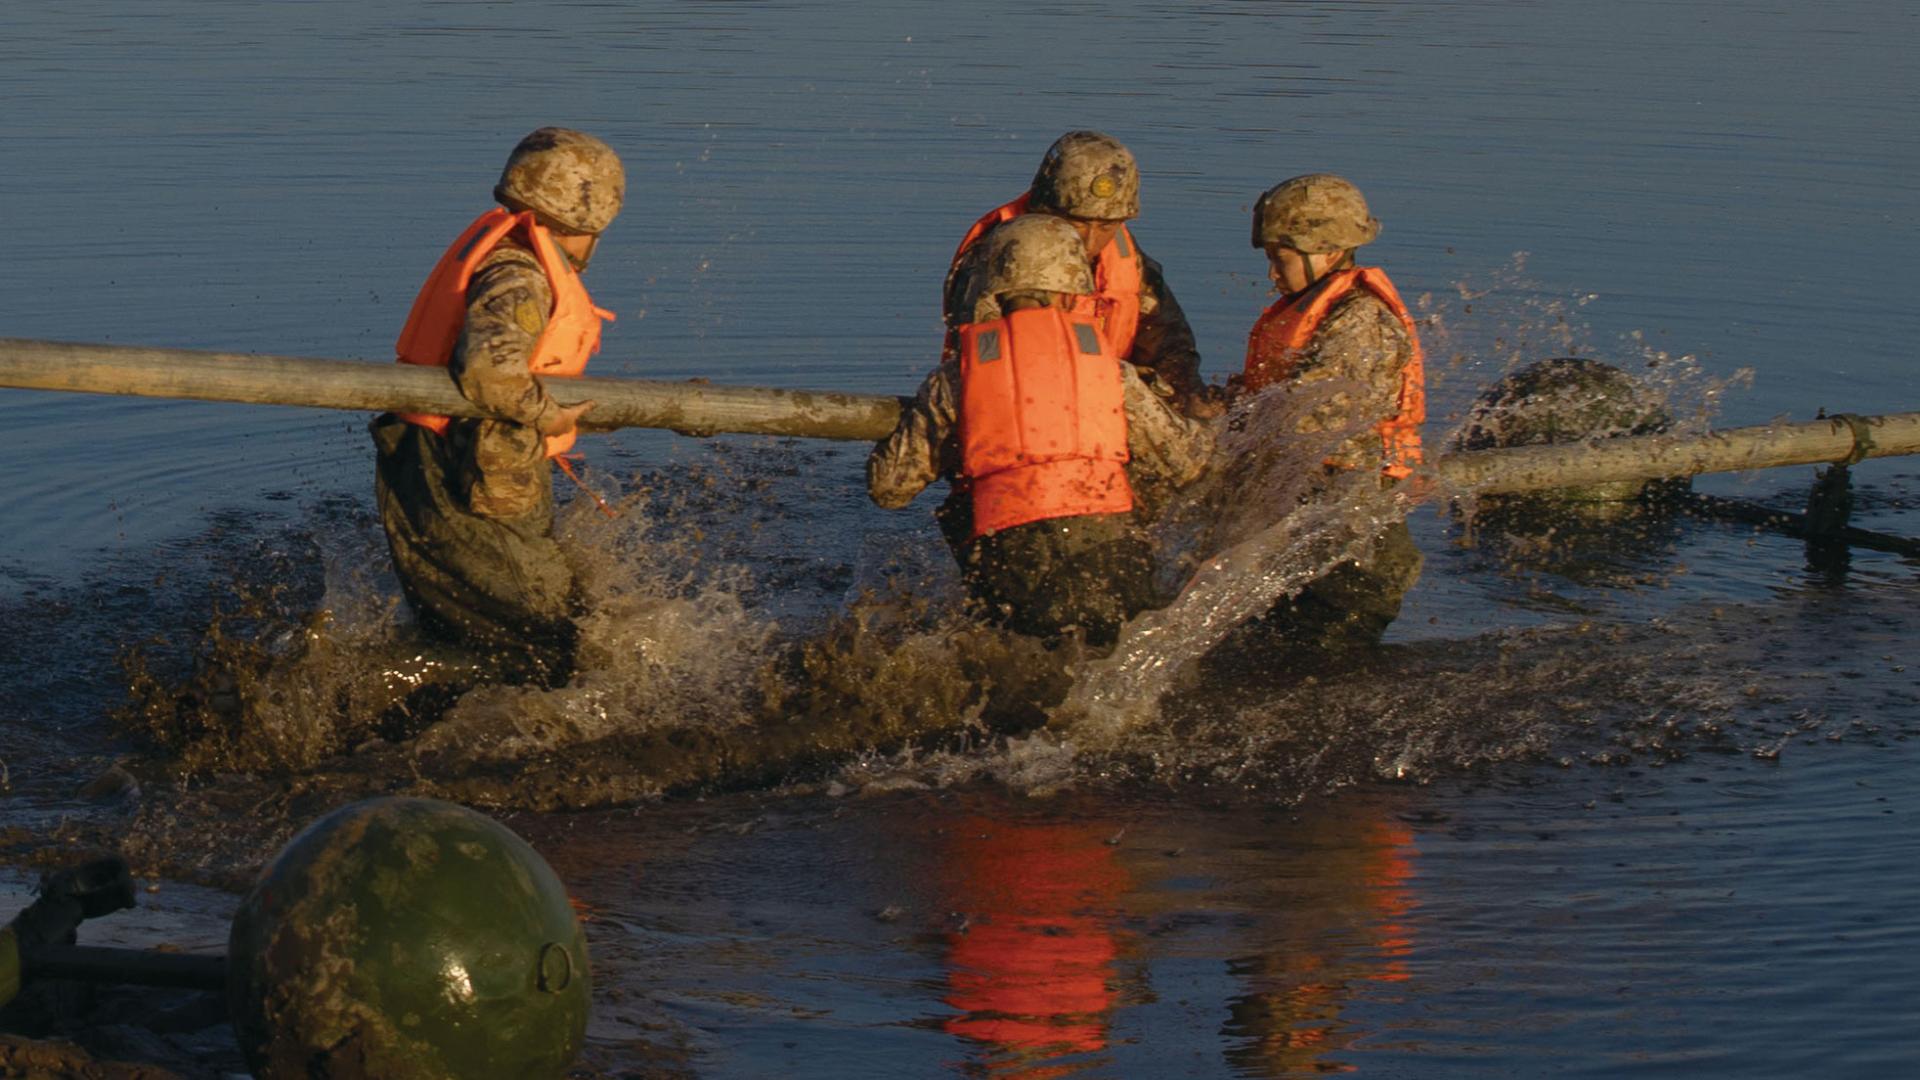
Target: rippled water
[1654,812]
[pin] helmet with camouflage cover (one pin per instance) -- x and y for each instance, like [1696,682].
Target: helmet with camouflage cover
[571,179]
[1034,253]
[1087,175]
[1319,213]
[408,938]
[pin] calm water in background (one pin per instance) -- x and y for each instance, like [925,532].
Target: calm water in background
[1731,182]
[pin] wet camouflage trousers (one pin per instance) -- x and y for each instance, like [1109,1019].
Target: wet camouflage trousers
[493,581]
[1092,572]
[1350,605]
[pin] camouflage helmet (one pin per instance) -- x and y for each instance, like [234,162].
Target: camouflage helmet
[1087,175]
[1035,253]
[1319,213]
[571,179]
[408,938]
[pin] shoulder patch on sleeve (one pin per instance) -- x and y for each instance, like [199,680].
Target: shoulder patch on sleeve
[529,317]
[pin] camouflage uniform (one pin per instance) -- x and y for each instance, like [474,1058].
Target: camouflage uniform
[1357,356]
[1091,571]
[1352,366]
[469,515]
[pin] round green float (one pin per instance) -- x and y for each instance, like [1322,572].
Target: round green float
[408,939]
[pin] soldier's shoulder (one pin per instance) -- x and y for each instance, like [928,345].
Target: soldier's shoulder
[509,256]
[1361,309]
[506,268]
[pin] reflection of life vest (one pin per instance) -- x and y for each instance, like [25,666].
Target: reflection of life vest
[572,333]
[1033,972]
[1284,331]
[1117,275]
[1290,1020]
[1043,419]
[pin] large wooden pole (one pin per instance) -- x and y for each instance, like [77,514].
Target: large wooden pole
[703,408]
[696,408]
[1653,457]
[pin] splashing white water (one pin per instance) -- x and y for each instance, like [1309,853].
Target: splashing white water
[1276,519]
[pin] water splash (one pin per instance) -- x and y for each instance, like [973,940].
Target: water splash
[688,678]
[1487,327]
[1276,518]
[666,640]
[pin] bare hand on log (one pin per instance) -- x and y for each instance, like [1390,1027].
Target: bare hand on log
[566,418]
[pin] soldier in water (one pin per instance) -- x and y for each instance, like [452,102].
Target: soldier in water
[1091,182]
[468,503]
[1340,333]
[1042,431]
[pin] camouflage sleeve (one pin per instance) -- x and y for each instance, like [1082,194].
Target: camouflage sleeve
[1359,351]
[507,305]
[1160,440]
[1163,346]
[924,446]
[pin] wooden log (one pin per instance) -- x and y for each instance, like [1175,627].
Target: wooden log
[693,408]
[1655,457]
[703,408]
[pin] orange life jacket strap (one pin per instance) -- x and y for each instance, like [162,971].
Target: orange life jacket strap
[565,461]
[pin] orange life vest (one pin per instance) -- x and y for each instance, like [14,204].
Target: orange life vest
[1117,275]
[1043,419]
[1284,331]
[572,334]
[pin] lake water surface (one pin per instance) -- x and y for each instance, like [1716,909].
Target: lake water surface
[1648,810]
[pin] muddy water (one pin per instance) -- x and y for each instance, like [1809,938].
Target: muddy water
[1613,803]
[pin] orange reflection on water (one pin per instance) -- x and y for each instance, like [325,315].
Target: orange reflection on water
[1032,968]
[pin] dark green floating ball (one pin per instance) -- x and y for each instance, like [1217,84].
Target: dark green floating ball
[408,939]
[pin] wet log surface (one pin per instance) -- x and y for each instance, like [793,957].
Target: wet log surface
[687,407]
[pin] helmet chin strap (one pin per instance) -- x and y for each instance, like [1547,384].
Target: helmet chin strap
[1344,262]
[580,264]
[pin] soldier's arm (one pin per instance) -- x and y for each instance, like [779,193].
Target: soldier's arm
[923,447]
[1358,353]
[1160,439]
[1164,343]
[507,305]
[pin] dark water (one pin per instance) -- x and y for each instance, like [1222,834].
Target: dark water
[1654,807]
